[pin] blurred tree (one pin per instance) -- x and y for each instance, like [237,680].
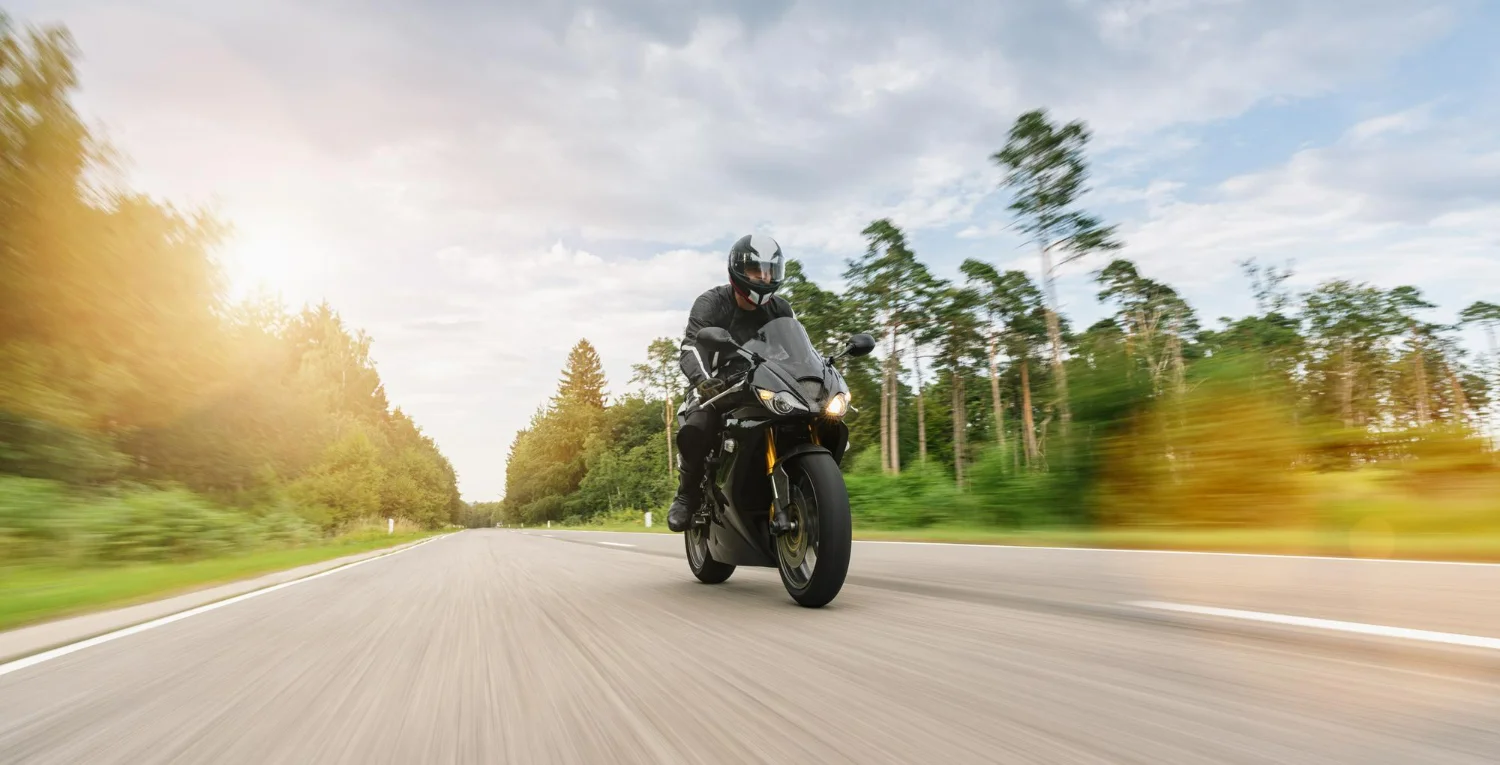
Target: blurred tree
[1348,326]
[1405,303]
[1487,315]
[984,278]
[1155,319]
[1015,300]
[956,328]
[886,282]
[661,376]
[1045,169]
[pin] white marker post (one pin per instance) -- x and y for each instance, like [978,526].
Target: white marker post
[648,520]
[549,524]
[390,525]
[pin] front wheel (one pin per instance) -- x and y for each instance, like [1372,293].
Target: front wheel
[700,560]
[813,558]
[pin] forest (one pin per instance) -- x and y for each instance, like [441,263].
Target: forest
[143,416]
[1339,405]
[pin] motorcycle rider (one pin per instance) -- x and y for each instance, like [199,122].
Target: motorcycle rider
[742,307]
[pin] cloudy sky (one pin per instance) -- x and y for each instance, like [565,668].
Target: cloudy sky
[480,184]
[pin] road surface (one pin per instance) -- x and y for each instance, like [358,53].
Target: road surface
[502,646]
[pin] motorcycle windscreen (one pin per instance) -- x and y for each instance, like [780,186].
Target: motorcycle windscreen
[784,342]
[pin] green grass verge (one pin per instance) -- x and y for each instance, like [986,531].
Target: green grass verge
[35,593]
[1457,546]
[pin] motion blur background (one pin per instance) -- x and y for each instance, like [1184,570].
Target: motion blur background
[1278,333]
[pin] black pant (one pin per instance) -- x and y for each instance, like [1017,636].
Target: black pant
[694,439]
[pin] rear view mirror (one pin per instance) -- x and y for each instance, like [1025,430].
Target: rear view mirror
[860,345]
[716,339]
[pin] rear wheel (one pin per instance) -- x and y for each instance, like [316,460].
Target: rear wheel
[813,558]
[700,560]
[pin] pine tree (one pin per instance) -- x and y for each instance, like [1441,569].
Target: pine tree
[583,378]
[1045,168]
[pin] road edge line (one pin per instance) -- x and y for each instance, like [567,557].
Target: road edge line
[31,660]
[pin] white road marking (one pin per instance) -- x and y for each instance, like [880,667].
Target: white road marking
[35,659]
[616,544]
[1406,633]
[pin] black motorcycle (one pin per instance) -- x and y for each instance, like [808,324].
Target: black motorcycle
[774,495]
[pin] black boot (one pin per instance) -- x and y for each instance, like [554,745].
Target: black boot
[689,498]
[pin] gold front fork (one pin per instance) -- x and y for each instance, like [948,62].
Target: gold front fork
[771,467]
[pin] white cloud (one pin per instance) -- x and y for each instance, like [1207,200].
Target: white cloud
[1423,212]
[1399,123]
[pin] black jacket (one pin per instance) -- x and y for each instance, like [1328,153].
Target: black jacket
[718,308]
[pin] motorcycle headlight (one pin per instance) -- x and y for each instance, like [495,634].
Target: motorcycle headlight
[837,405]
[780,403]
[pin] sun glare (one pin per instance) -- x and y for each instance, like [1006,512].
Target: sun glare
[275,260]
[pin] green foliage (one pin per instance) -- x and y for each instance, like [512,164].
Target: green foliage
[47,520]
[42,449]
[922,495]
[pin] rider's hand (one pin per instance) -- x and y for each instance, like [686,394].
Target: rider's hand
[711,387]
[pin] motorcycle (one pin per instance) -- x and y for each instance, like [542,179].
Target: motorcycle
[774,494]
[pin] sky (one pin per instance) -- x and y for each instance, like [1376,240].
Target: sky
[481,184]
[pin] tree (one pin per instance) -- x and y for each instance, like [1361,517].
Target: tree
[661,376]
[982,277]
[885,280]
[582,378]
[1271,334]
[1046,169]
[1487,315]
[1018,317]
[1349,324]
[929,300]
[1405,303]
[1155,319]
[957,330]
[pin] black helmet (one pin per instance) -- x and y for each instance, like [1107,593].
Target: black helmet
[755,267]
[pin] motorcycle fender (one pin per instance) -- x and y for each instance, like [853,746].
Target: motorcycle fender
[797,451]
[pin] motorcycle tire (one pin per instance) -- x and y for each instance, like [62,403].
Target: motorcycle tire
[820,507]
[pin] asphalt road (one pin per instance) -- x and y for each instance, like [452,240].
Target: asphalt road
[499,646]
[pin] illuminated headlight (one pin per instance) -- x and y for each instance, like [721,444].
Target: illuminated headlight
[837,405]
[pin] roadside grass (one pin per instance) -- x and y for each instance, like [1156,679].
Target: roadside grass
[32,593]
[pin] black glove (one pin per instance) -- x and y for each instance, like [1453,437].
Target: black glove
[711,387]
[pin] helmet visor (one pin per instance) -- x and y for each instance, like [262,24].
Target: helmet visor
[764,270]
